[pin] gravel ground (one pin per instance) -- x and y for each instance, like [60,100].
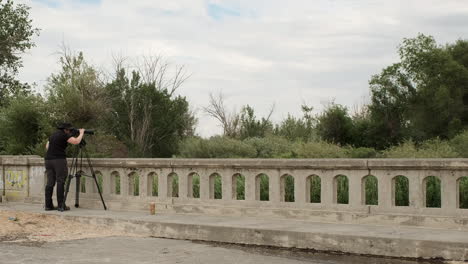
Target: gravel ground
[28,228]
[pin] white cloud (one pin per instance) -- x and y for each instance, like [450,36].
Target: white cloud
[258,52]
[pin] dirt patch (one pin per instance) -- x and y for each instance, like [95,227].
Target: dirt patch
[36,229]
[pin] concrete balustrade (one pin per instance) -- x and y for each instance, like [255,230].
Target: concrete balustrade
[128,184]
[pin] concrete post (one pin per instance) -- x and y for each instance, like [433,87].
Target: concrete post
[449,191]
[355,185]
[144,183]
[226,179]
[205,185]
[106,182]
[274,182]
[417,198]
[163,184]
[250,187]
[300,187]
[183,182]
[327,193]
[385,195]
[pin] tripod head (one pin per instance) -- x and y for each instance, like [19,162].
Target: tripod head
[82,143]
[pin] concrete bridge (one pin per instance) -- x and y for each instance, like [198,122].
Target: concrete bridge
[222,200]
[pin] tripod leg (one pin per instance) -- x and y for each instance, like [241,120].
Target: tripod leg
[77,192]
[95,179]
[73,169]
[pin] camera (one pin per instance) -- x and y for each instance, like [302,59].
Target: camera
[75,132]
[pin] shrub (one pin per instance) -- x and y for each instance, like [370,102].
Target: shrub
[460,144]
[23,125]
[433,148]
[361,153]
[271,147]
[319,149]
[216,147]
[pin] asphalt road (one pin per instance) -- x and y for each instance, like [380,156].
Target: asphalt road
[136,250]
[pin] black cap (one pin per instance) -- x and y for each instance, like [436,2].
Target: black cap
[64,126]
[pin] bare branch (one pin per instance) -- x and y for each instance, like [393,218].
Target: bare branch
[217,109]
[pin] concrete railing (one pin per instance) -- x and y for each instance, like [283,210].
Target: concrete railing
[173,185]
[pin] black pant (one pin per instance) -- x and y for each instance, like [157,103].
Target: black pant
[57,171]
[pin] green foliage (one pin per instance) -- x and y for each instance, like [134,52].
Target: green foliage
[148,118]
[361,153]
[76,94]
[264,187]
[430,83]
[105,146]
[215,147]
[319,150]
[302,129]
[23,126]
[175,185]
[16,32]
[434,148]
[196,186]
[342,189]
[371,188]
[463,191]
[271,147]
[289,188]
[315,189]
[460,144]
[392,92]
[240,188]
[218,187]
[401,191]
[335,125]
[433,191]
[251,127]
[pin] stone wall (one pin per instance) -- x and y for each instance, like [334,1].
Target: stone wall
[25,179]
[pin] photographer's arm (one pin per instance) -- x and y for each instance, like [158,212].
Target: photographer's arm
[76,140]
[47,145]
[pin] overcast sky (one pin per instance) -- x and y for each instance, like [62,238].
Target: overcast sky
[256,52]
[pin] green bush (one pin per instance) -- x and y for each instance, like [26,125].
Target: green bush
[460,144]
[361,153]
[463,191]
[271,147]
[23,126]
[434,148]
[401,191]
[318,150]
[216,147]
[342,190]
[371,188]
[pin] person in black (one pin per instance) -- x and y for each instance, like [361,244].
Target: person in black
[56,164]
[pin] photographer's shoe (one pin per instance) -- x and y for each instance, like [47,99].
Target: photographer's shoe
[47,208]
[63,208]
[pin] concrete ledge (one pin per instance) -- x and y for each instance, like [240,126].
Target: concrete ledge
[409,242]
[296,164]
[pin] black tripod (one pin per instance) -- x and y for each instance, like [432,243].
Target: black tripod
[76,170]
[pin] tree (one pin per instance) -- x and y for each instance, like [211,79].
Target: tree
[392,96]
[294,128]
[230,121]
[442,85]
[251,127]
[23,125]
[423,96]
[151,120]
[77,93]
[16,32]
[335,125]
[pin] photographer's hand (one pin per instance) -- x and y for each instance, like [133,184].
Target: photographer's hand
[77,140]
